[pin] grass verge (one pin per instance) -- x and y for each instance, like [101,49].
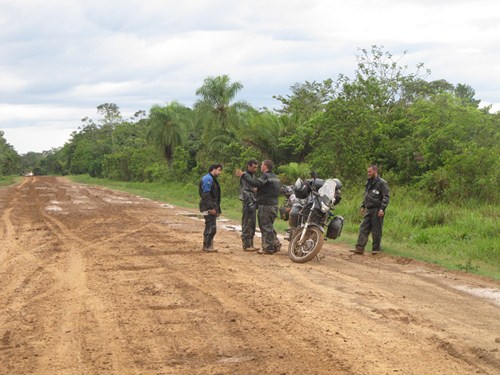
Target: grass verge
[9,180]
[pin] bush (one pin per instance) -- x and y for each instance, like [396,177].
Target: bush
[291,172]
[473,175]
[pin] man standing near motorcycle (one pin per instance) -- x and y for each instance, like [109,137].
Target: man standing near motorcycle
[268,186]
[210,195]
[249,208]
[375,202]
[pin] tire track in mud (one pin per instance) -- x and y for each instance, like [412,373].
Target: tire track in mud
[220,316]
[12,251]
[183,309]
[88,326]
[240,316]
[23,278]
[8,232]
[82,324]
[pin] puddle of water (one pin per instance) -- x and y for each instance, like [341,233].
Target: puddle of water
[53,208]
[233,228]
[487,293]
[190,214]
[199,216]
[235,359]
[170,223]
[118,200]
[228,227]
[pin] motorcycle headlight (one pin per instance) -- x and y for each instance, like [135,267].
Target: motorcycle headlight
[324,208]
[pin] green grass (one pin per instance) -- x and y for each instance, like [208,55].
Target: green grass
[465,237]
[9,180]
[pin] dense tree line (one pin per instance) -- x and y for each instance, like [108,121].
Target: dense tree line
[429,134]
[10,161]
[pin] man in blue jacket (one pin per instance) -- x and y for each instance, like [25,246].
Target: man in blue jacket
[210,195]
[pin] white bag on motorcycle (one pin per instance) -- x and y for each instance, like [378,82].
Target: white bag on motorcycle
[335,227]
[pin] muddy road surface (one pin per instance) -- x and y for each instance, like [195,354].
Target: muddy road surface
[94,281]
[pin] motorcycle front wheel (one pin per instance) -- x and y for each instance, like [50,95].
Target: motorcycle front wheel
[301,252]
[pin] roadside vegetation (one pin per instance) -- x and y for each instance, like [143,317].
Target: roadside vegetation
[434,143]
[8,180]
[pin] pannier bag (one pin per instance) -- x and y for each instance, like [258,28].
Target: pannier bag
[335,227]
[293,222]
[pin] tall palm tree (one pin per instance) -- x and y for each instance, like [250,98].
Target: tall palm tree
[216,96]
[166,128]
[218,118]
[262,132]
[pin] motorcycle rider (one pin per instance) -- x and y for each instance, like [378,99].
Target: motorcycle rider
[249,207]
[375,202]
[268,186]
[210,194]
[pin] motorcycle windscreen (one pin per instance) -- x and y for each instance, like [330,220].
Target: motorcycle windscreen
[327,192]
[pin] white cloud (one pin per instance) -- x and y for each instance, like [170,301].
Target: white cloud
[29,112]
[60,60]
[37,139]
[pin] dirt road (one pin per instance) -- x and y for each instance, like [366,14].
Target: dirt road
[94,281]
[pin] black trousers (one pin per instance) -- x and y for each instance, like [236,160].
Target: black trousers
[371,224]
[248,222]
[267,215]
[210,230]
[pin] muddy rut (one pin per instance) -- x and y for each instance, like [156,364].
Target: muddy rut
[94,281]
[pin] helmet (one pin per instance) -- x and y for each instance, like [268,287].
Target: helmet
[337,183]
[301,189]
[338,193]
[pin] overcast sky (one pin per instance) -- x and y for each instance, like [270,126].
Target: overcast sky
[60,59]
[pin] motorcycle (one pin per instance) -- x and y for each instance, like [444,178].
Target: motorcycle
[309,209]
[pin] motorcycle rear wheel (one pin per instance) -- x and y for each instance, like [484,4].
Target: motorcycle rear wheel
[310,247]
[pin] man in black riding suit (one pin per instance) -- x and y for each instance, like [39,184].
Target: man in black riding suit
[268,186]
[375,202]
[249,207]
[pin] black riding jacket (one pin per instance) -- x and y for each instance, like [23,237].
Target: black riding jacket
[376,194]
[209,190]
[268,188]
[247,195]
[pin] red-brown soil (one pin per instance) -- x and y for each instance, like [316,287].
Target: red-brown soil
[94,281]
